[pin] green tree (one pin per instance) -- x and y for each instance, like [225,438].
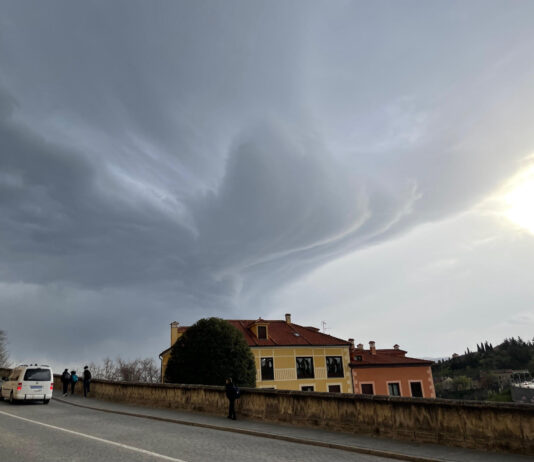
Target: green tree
[210,351]
[462,383]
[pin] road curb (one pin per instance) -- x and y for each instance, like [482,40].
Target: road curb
[274,436]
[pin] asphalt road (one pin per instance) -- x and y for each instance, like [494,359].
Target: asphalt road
[58,432]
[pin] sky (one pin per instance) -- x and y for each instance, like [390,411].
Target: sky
[367,167]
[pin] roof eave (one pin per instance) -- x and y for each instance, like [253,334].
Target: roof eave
[368,365]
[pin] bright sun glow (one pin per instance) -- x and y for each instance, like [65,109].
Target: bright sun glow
[519,200]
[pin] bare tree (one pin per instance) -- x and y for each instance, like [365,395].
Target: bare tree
[137,370]
[128,370]
[150,371]
[4,354]
[107,371]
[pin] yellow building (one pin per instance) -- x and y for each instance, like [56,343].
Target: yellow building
[289,356]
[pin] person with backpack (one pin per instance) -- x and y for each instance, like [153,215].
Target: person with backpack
[232,393]
[86,381]
[73,381]
[65,380]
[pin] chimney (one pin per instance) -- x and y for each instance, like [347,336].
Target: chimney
[351,340]
[360,346]
[174,332]
[396,346]
[288,318]
[372,347]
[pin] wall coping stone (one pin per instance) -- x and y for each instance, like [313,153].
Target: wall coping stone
[497,406]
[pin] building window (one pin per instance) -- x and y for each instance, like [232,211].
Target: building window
[305,367]
[334,388]
[262,332]
[334,366]
[367,389]
[307,388]
[394,389]
[358,358]
[267,369]
[416,389]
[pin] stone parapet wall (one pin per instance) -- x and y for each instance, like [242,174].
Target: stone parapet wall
[480,425]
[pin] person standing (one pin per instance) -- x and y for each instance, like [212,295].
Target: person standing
[86,381]
[65,380]
[232,393]
[73,381]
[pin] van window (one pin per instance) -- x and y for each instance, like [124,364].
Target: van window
[37,375]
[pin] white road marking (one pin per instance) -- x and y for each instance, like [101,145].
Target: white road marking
[113,443]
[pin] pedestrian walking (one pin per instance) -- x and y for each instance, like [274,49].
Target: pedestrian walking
[73,381]
[65,380]
[232,393]
[86,381]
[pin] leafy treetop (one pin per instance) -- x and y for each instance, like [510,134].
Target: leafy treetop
[210,351]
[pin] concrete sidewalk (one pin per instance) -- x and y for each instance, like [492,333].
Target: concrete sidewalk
[400,450]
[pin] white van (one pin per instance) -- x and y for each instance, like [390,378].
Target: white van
[33,382]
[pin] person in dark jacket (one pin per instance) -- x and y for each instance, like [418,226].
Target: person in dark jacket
[73,381]
[231,394]
[65,380]
[86,381]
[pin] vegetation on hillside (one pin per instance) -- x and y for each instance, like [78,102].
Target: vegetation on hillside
[481,374]
[210,351]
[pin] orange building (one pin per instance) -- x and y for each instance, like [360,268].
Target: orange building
[390,372]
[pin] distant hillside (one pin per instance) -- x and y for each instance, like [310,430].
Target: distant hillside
[511,354]
[481,374]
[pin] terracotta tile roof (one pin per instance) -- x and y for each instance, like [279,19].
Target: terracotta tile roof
[385,357]
[280,333]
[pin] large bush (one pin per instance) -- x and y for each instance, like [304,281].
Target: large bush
[208,352]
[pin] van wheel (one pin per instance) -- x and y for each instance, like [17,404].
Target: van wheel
[11,399]
[46,401]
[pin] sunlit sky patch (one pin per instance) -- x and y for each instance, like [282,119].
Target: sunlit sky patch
[519,199]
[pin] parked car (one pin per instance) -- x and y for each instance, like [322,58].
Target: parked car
[29,382]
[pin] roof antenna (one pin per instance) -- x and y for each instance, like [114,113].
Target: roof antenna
[323,323]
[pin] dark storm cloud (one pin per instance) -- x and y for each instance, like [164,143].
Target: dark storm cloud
[173,160]
[279,201]
[57,225]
